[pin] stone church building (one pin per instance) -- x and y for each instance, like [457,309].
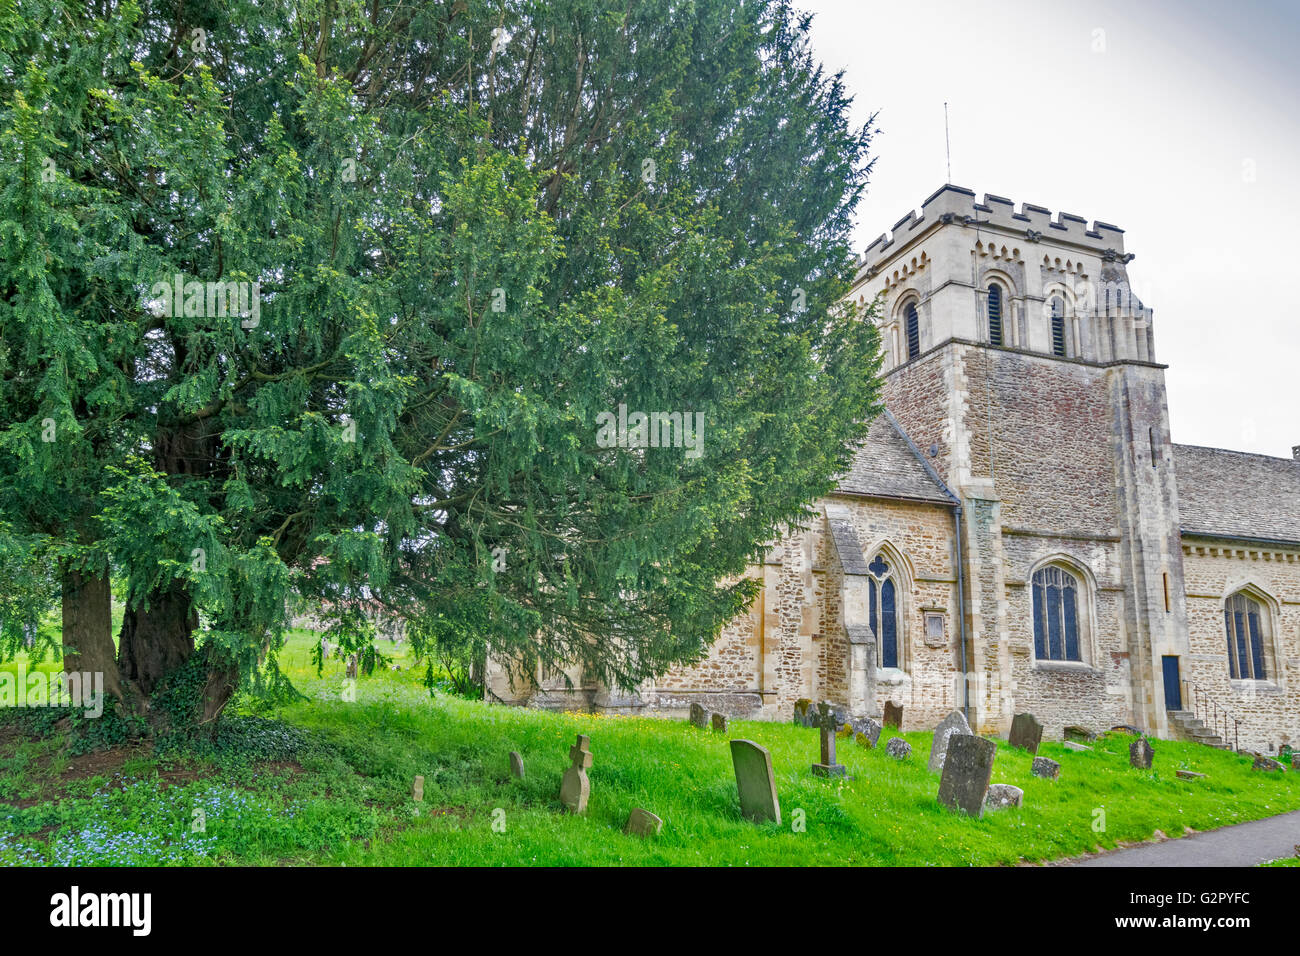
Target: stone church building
[1018,532]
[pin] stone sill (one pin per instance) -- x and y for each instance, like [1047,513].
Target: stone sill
[891,677]
[1253,688]
[1066,667]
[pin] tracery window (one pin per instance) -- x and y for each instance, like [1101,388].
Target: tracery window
[883,593]
[1056,615]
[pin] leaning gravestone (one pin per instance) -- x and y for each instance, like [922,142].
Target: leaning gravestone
[967,770]
[893,715]
[898,748]
[827,721]
[755,782]
[1189,774]
[719,723]
[1003,795]
[1071,745]
[1026,733]
[699,717]
[867,732]
[1266,763]
[954,723]
[642,823]
[803,711]
[1140,754]
[417,790]
[575,788]
[516,765]
[1046,768]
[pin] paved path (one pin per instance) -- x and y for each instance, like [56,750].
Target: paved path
[1242,844]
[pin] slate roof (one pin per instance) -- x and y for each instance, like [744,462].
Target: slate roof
[1237,494]
[887,465]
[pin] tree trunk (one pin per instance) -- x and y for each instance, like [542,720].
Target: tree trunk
[88,628]
[156,640]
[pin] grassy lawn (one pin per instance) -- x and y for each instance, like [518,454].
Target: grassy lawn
[326,781]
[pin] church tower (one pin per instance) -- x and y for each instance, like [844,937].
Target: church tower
[1023,368]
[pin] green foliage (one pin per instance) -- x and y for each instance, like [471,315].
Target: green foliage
[464,254]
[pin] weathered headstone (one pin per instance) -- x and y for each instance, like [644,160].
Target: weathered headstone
[719,723]
[516,765]
[1128,729]
[1266,763]
[699,717]
[1026,733]
[1046,768]
[575,788]
[1190,774]
[1140,754]
[642,823]
[803,712]
[755,782]
[898,748]
[1295,761]
[954,723]
[893,715]
[1003,795]
[417,790]
[1078,733]
[1071,745]
[967,770]
[827,722]
[352,666]
[867,732]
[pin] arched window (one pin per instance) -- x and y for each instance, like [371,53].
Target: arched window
[913,331]
[883,593]
[1056,615]
[995,314]
[1058,325]
[1247,626]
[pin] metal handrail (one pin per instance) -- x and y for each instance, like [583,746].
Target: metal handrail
[1213,712]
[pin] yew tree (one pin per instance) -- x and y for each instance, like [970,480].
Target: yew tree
[326,300]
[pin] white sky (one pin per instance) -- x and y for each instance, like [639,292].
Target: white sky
[1158,134]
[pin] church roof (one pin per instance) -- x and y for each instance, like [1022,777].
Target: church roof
[887,465]
[1237,494]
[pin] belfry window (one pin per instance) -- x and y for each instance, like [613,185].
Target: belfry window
[1058,326]
[995,314]
[1056,615]
[883,594]
[1246,624]
[913,331]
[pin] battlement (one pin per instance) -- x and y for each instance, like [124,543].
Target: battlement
[955,204]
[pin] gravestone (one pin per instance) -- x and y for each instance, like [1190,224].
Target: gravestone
[417,791]
[575,788]
[1046,768]
[699,717]
[1078,733]
[827,722]
[352,666]
[1190,774]
[1003,795]
[1140,754]
[1295,761]
[324,649]
[1071,745]
[719,723]
[516,766]
[1266,763]
[954,723]
[1026,733]
[803,712]
[893,715]
[1127,729]
[967,770]
[643,823]
[755,782]
[898,748]
[867,732]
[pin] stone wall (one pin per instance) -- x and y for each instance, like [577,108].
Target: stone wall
[1270,709]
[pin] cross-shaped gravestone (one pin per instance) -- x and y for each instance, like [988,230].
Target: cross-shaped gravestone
[827,723]
[575,788]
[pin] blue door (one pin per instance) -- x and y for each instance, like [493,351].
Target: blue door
[1173,686]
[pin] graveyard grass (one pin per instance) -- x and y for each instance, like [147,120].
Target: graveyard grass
[327,782]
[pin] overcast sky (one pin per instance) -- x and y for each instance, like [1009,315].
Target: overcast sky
[1179,122]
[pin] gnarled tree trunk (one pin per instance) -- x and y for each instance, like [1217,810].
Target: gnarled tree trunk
[88,628]
[157,637]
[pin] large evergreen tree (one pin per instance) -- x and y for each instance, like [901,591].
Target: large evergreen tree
[467,233]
